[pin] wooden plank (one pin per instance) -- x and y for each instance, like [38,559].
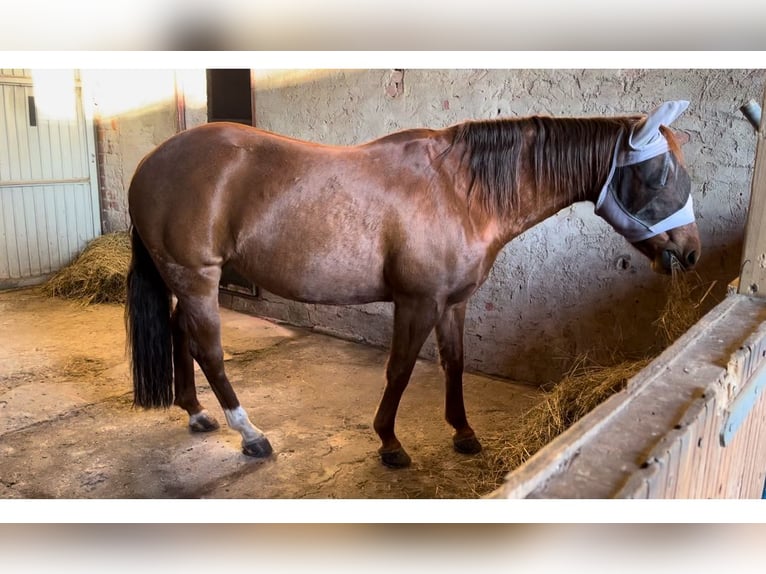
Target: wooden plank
[707,468]
[672,467]
[686,447]
[750,445]
[670,447]
[753,275]
[691,472]
[739,453]
[759,479]
[745,455]
[716,464]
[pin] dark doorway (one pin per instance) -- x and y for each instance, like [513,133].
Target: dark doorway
[229,97]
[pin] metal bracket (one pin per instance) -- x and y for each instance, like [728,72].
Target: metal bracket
[742,405]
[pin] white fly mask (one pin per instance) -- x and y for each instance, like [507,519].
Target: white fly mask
[647,191]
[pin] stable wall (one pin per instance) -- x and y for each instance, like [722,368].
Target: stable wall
[134,111]
[571,284]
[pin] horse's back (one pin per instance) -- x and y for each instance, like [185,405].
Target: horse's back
[306,221]
[288,214]
[202,185]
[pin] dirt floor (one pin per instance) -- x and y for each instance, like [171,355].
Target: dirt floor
[68,428]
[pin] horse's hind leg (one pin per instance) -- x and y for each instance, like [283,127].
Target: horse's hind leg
[413,321]
[449,336]
[183,375]
[202,323]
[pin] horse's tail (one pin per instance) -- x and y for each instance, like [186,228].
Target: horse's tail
[147,318]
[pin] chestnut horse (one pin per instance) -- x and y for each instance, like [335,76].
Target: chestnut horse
[416,217]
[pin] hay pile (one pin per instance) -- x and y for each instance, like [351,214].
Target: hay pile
[683,307]
[97,275]
[589,383]
[585,386]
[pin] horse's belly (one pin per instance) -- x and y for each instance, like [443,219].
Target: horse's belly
[333,279]
[341,292]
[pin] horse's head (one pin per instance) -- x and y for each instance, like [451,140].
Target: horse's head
[647,196]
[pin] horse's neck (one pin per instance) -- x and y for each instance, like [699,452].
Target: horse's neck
[536,204]
[525,171]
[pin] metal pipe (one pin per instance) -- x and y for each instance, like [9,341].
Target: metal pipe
[752,111]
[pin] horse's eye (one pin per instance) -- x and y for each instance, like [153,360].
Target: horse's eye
[658,176]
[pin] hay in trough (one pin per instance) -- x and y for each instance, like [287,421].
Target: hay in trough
[683,307]
[585,386]
[588,384]
[97,275]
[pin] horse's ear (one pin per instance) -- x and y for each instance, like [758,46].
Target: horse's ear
[648,129]
[681,137]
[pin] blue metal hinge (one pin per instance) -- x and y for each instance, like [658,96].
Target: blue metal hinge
[742,405]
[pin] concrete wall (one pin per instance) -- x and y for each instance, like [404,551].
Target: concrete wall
[570,285]
[134,112]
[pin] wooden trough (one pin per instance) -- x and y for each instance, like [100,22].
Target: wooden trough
[692,424]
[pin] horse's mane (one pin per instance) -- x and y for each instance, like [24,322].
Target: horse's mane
[565,155]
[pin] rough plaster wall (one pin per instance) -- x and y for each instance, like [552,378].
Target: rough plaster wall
[129,123]
[114,205]
[571,284]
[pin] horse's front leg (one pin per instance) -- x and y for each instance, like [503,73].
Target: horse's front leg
[414,318]
[449,336]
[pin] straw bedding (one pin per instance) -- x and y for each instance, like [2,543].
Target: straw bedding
[97,275]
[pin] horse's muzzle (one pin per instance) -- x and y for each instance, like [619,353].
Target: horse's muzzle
[672,260]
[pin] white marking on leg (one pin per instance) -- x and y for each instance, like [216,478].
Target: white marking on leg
[238,420]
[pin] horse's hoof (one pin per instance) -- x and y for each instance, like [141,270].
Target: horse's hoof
[467,445]
[395,458]
[203,422]
[259,448]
